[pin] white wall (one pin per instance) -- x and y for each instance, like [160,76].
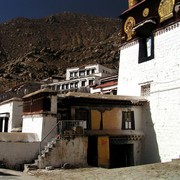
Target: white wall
[162,122]
[39,124]
[33,124]
[14,108]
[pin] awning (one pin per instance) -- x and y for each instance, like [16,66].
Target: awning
[145,28]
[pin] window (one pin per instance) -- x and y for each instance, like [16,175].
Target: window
[83,83]
[91,82]
[88,72]
[58,87]
[75,74]
[93,71]
[71,74]
[67,86]
[128,120]
[146,48]
[76,84]
[145,90]
[82,73]
[82,114]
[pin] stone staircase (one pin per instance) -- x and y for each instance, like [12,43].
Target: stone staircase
[41,162]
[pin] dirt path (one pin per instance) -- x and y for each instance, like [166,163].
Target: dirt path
[170,171]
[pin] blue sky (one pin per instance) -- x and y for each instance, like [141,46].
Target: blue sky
[10,9]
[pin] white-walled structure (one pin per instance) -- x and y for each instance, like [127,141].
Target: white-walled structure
[39,113]
[155,74]
[80,77]
[10,114]
[107,85]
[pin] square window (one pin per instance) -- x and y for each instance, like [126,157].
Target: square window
[146,48]
[82,73]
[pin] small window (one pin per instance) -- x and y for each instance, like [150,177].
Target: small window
[146,49]
[76,85]
[88,72]
[82,114]
[83,83]
[145,90]
[128,120]
[90,82]
[58,87]
[75,74]
[93,71]
[82,73]
[71,74]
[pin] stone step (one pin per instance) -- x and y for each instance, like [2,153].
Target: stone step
[30,167]
[36,161]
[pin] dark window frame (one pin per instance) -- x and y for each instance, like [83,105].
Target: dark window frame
[83,114]
[143,56]
[130,122]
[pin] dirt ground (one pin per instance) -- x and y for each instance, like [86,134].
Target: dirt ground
[170,171]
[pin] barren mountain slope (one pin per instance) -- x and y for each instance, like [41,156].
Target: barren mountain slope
[31,50]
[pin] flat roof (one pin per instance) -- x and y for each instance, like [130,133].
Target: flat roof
[44,90]
[133,99]
[10,100]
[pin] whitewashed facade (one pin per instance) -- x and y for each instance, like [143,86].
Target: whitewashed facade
[10,115]
[80,77]
[39,113]
[159,80]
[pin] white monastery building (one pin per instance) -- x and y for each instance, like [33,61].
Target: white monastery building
[150,66]
[79,78]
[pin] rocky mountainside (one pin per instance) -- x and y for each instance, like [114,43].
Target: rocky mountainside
[34,49]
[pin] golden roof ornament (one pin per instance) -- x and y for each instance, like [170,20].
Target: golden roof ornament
[128,27]
[165,9]
[132,3]
[145,12]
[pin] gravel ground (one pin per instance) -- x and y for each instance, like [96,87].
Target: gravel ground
[170,171]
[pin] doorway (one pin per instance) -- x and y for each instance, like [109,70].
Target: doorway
[4,124]
[121,155]
[92,153]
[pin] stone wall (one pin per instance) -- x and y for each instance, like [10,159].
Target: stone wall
[69,152]
[14,155]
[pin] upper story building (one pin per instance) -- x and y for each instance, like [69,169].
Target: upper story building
[107,85]
[149,66]
[80,78]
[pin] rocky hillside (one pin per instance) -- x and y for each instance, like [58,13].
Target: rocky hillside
[31,50]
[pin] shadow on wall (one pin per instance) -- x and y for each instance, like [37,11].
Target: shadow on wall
[150,150]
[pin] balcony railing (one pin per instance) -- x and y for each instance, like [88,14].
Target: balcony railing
[72,127]
[64,129]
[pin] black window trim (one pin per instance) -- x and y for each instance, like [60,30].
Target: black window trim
[142,58]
